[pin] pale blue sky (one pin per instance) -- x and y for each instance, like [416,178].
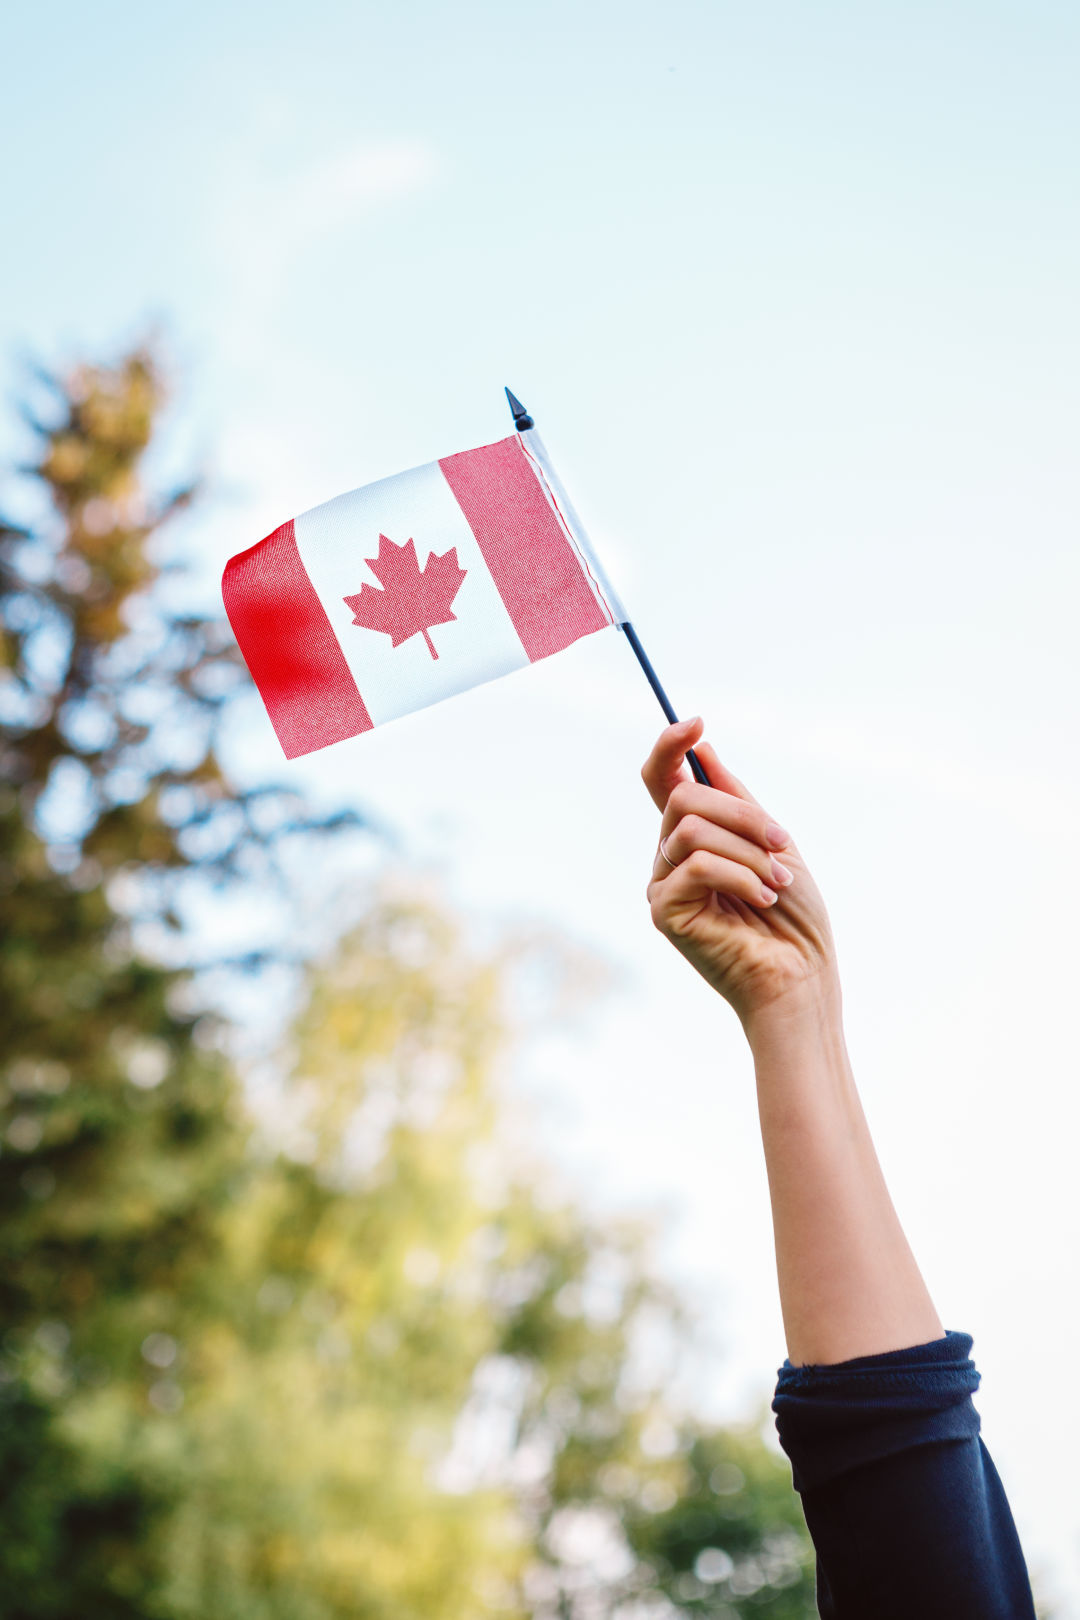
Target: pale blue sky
[792,292]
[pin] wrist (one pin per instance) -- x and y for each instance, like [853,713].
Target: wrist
[809,1011]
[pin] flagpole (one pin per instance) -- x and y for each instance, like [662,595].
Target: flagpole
[523,421]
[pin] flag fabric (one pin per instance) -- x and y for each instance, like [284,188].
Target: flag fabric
[406,591]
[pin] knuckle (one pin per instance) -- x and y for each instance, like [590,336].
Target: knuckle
[679,801]
[744,818]
[751,825]
[697,864]
[690,829]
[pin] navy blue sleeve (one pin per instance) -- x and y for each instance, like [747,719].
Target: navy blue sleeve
[904,1505]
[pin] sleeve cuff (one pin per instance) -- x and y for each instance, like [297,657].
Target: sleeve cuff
[832,1419]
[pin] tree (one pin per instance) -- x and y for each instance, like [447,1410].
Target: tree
[348,1358]
[123,1136]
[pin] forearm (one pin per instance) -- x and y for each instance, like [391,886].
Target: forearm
[849,1284]
[756,929]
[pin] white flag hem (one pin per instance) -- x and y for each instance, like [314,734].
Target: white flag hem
[564,509]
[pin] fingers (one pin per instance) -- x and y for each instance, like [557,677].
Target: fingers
[666,765]
[716,840]
[694,832]
[697,879]
[735,815]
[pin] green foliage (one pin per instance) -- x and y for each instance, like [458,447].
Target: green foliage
[345,1357]
[735,1525]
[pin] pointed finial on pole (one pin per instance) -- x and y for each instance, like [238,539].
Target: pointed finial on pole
[522,419]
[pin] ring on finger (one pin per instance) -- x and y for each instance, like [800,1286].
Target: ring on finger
[664,853]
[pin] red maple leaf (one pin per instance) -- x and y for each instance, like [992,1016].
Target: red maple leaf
[413,598]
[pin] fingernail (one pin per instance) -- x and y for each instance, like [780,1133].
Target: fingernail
[781,874]
[769,895]
[776,835]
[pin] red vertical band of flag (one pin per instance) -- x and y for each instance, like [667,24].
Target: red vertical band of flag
[535,568]
[289,647]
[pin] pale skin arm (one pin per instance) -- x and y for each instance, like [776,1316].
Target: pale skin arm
[741,906]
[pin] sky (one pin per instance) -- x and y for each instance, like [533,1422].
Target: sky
[791,291]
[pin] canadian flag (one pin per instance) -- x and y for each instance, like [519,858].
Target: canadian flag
[409,590]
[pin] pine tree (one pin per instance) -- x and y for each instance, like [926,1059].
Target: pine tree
[122,1135]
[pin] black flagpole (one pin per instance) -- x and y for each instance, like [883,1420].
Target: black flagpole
[522,421]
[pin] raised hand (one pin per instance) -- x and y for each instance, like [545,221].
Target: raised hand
[729,888]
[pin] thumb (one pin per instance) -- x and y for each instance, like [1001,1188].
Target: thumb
[666,765]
